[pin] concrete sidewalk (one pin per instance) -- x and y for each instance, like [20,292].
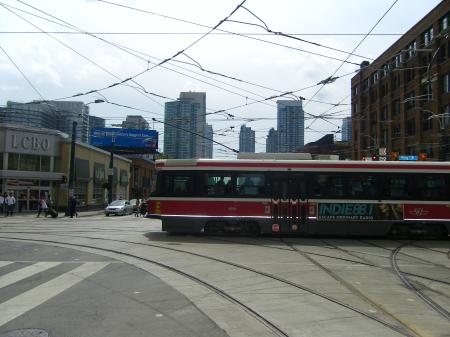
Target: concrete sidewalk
[60,214]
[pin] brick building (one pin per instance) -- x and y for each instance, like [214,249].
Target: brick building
[401,101]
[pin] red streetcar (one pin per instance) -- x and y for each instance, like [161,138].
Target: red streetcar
[302,197]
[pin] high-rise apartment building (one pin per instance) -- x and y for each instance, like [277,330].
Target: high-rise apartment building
[57,115]
[346,129]
[208,142]
[401,101]
[246,139]
[184,126]
[135,122]
[96,122]
[290,125]
[272,141]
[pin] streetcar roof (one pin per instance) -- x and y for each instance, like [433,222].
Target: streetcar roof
[302,165]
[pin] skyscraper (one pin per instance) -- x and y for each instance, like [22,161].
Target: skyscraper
[135,122]
[57,115]
[272,141]
[347,129]
[291,125]
[246,139]
[184,126]
[208,143]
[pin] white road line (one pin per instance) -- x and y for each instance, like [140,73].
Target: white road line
[40,294]
[25,272]
[4,263]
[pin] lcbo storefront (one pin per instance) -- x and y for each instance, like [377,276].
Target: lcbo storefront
[35,163]
[27,163]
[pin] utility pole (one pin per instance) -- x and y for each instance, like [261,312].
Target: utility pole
[111,172]
[72,164]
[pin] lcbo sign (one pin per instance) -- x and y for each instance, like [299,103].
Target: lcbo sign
[30,143]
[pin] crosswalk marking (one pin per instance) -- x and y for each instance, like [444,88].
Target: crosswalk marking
[30,299]
[4,263]
[25,272]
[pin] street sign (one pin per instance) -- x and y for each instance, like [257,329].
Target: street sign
[408,158]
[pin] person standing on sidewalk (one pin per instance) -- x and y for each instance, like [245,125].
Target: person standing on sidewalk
[10,202]
[2,203]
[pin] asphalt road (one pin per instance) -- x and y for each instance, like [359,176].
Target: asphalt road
[97,276]
[67,292]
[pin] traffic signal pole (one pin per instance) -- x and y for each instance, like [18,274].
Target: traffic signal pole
[72,165]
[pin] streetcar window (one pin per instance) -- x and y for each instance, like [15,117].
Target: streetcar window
[217,184]
[432,187]
[178,184]
[251,184]
[397,187]
[362,186]
[327,185]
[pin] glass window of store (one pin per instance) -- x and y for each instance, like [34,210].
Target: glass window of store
[81,180]
[28,162]
[99,184]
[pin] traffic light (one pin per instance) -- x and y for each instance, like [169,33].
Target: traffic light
[374,157]
[394,155]
[64,179]
[422,156]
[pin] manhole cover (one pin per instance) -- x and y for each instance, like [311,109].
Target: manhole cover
[26,333]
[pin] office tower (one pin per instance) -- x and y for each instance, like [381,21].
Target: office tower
[135,122]
[272,141]
[57,115]
[347,129]
[291,125]
[184,126]
[70,112]
[246,139]
[96,122]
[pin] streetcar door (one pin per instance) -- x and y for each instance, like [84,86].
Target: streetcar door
[288,204]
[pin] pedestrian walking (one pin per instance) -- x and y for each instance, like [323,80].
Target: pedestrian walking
[136,208]
[73,207]
[10,202]
[42,206]
[2,203]
[143,208]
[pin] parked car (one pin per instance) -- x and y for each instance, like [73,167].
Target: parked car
[119,207]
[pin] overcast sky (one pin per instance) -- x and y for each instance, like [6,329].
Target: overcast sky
[61,64]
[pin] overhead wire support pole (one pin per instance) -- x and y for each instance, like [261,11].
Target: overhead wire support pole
[72,166]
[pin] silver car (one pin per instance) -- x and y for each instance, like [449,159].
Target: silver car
[119,207]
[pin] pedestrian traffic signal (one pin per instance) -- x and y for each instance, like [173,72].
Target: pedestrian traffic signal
[395,155]
[422,156]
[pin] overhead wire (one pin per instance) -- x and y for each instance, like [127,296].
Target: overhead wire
[222,30]
[356,47]
[22,73]
[126,49]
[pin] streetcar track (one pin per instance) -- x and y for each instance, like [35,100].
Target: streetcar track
[407,255]
[350,287]
[273,327]
[432,304]
[368,263]
[399,329]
